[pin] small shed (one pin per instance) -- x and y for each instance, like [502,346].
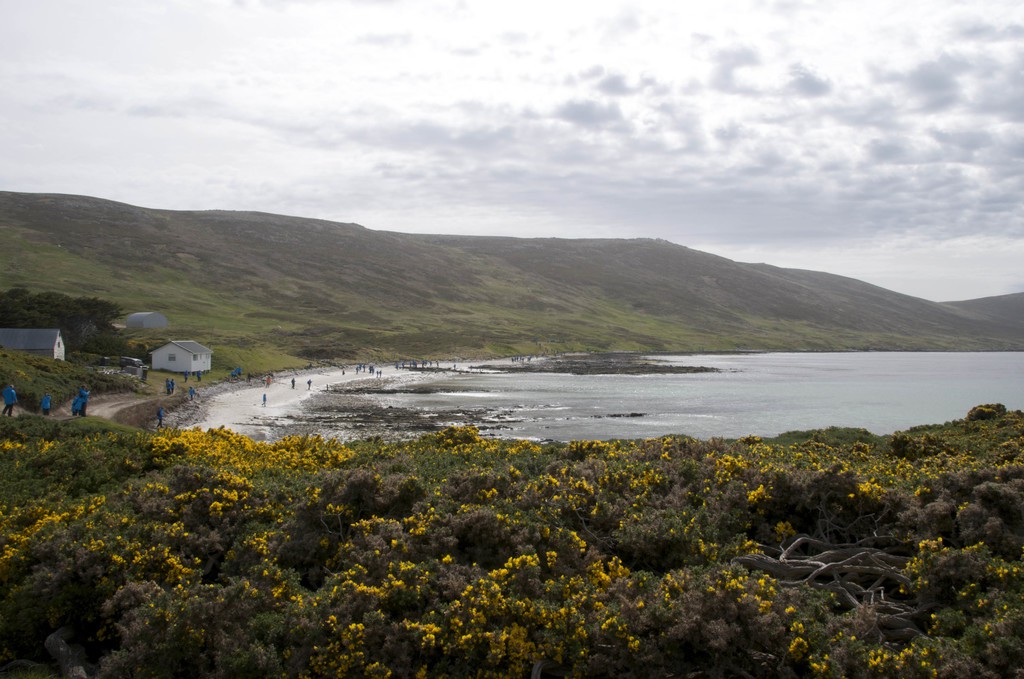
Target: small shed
[37,341]
[182,356]
[146,319]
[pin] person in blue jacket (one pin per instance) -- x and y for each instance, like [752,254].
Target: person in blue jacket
[83,398]
[10,398]
[44,403]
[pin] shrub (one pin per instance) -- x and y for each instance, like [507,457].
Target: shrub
[988,411]
[209,554]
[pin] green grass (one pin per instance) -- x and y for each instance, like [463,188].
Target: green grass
[831,436]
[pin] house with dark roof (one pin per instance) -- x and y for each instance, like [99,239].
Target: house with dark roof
[37,341]
[182,356]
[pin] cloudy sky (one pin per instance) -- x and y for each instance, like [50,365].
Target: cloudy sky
[875,139]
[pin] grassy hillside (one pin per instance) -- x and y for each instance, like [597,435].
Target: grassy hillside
[270,284]
[1008,309]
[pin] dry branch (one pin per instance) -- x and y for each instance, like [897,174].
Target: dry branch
[70,657]
[861,575]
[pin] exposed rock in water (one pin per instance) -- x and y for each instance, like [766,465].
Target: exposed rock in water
[615,363]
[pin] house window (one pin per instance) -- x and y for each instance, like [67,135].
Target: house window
[195,357]
[171,358]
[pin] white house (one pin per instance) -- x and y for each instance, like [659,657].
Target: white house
[146,319]
[181,356]
[40,342]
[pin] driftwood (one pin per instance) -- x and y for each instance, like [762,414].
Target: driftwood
[866,576]
[71,658]
[548,669]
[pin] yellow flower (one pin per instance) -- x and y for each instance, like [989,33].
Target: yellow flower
[798,648]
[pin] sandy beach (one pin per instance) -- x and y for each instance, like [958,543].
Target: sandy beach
[239,406]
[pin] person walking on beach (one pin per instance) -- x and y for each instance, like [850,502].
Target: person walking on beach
[264,399]
[10,398]
[293,383]
[309,384]
[159,417]
[44,403]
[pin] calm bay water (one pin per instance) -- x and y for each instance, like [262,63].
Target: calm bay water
[762,394]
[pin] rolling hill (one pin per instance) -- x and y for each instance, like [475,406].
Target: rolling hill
[315,288]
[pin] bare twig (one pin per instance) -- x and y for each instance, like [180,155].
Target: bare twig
[861,574]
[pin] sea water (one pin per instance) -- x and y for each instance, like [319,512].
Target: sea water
[761,394]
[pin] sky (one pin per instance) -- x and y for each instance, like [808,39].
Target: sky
[878,140]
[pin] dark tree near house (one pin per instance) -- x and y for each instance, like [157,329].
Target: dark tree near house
[86,323]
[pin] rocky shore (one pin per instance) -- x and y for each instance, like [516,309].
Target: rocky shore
[353,407]
[612,363]
[361,411]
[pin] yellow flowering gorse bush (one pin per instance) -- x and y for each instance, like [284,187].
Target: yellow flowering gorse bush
[190,553]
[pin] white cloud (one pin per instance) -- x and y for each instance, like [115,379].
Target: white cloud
[729,64]
[806,83]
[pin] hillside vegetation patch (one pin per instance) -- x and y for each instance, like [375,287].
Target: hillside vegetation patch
[189,553]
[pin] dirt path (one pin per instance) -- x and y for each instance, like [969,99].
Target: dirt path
[109,405]
[137,410]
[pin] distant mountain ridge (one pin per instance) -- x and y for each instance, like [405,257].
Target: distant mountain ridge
[330,289]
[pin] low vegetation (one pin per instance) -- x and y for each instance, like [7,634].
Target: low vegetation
[828,554]
[33,376]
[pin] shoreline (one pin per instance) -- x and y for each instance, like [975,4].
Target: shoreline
[350,405]
[238,406]
[353,407]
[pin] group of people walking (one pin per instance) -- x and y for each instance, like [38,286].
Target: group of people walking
[79,404]
[309,383]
